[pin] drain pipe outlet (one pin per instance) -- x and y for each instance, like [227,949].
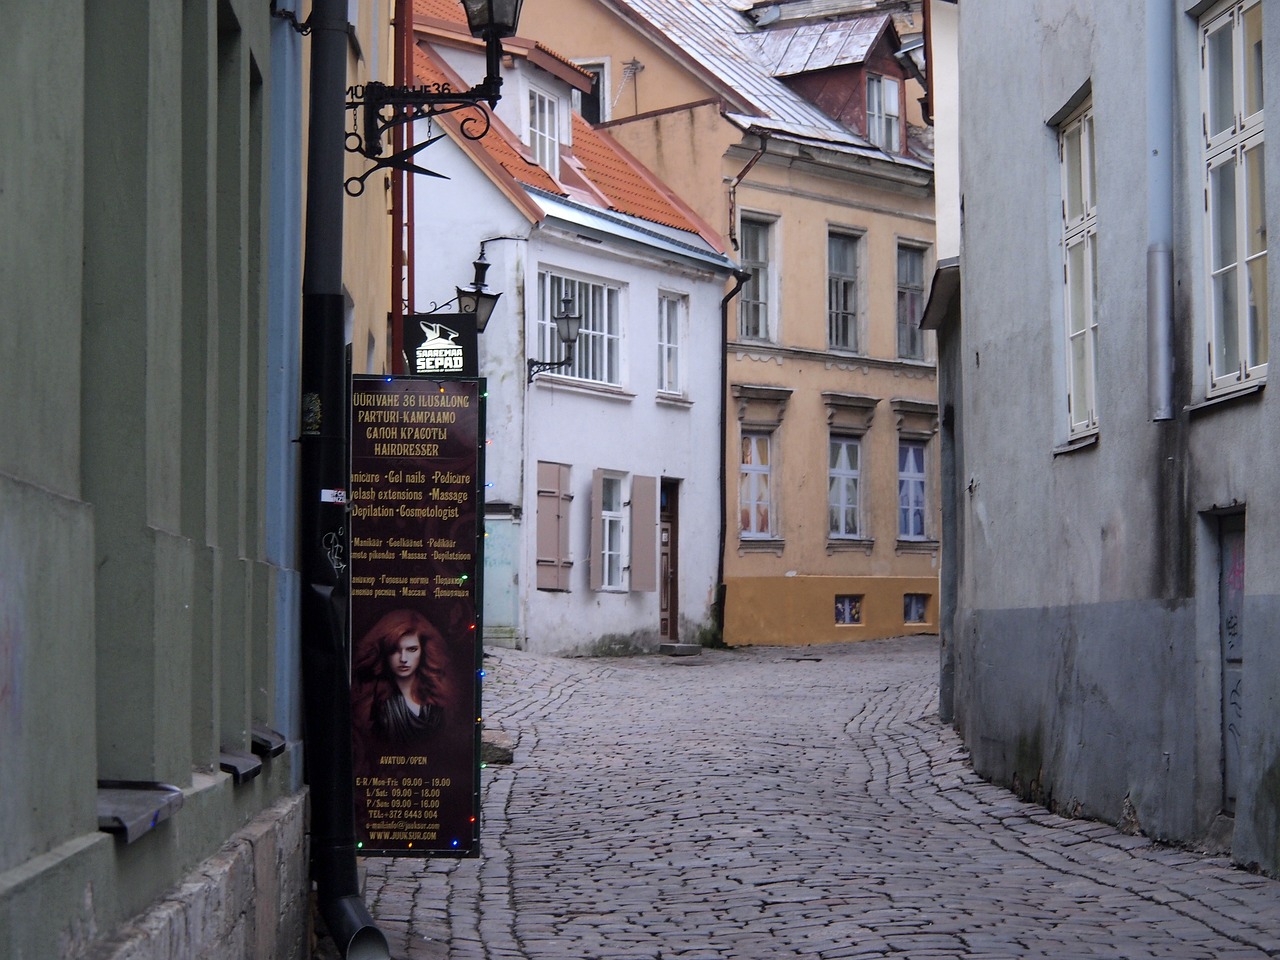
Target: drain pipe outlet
[353,930]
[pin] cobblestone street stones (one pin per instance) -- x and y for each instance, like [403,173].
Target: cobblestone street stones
[785,802]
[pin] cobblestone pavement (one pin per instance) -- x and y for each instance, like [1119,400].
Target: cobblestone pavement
[785,802]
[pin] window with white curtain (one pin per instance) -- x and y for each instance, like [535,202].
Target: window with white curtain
[884,119]
[544,131]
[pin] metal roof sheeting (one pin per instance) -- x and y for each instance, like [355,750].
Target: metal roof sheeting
[620,226]
[786,51]
[722,41]
[728,46]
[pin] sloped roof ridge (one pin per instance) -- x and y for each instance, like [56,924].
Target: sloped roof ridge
[817,138]
[557,55]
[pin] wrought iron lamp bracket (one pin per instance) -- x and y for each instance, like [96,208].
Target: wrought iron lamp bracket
[377,109]
[541,366]
[301,27]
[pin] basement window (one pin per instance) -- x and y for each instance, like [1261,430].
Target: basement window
[848,608]
[915,607]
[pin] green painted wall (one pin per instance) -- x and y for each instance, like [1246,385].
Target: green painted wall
[136,602]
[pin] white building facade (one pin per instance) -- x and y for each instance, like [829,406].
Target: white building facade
[602,475]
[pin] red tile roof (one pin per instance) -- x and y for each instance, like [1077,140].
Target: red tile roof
[629,187]
[448,10]
[500,143]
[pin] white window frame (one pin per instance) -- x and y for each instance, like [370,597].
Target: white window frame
[840,472]
[544,130]
[672,309]
[913,491]
[884,116]
[614,555]
[597,355]
[755,300]
[750,495]
[1078,165]
[844,296]
[1236,330]
[911,339]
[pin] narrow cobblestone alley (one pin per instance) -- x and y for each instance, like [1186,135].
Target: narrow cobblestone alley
[785,802]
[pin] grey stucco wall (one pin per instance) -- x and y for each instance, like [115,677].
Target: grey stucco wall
[1257,822]
[1081,708]
[1088,634]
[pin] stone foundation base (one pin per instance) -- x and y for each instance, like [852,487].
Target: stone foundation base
[247,902]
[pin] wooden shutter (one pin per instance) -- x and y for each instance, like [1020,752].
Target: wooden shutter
[644,534]
[552,526]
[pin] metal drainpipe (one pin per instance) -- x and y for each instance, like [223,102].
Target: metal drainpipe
[740,277]
[322,518]
[1160,87]
[763,137]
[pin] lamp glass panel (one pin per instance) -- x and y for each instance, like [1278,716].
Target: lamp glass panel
[498,18]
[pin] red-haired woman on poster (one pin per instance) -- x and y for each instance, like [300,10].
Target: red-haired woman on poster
[398,680]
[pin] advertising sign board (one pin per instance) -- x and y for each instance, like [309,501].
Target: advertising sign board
[441,344]
[416,522]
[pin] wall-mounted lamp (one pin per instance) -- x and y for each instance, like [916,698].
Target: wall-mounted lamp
[478,300]
[491,20]
[567,327]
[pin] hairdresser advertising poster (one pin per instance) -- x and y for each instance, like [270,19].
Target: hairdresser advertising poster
[416,536]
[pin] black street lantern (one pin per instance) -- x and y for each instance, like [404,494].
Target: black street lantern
[567,328]
[492,18]
[478,300]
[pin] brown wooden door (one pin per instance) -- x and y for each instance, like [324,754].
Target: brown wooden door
[668,562]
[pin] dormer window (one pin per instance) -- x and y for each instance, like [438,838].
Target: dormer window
[544,131]
[883,120]
[593,104]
